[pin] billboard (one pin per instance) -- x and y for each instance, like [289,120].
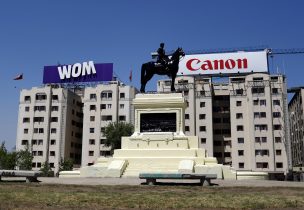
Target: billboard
[78,72]
[223,63]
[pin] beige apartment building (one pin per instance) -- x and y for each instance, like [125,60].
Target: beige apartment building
[50,122]
[241,121]
[295,109]
[103,104]
[59,123]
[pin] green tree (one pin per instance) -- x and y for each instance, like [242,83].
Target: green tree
[3,154]
[114,131]
[25,159]
[66,165]
[46,169]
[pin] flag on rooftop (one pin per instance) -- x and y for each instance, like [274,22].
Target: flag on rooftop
[19,77]
[130,77]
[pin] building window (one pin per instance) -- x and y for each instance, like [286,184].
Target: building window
[55,97]
[261,127]
[91,153]
[26,120]
[25,131]
[27,98]
[256,102]
[54,108]
[122,95]
[238,103]
[202,104]
[187,128]
[40,142]
[276,102]
[92,107]
[278,152]
[122,118]
[39,119]
[241,165]
[53,130]
[109,106]
[277,127]
[92,130]
[239,115]
[24,142]
[240,128]
[102,106]
[93,96]
[92,141]
[102,141]
[257,90]
[106,118]
[263,102]
[275,90]
[241,140]
[202,128]
[33,165]
[262,152]
[241,152]
[27,108]
[38,165]
[54,119]
[279,165]
[106,95]
[203,140]
[40,153]
[92,118]
[40,96]
[264,139]
[52,153]
[40,130]
[52,165]
[187,116]
[34,142]
[278,139]
[239,91]
[121,106]
[102,129]
[202,116]
[262,165]
[53,142]
[276,114]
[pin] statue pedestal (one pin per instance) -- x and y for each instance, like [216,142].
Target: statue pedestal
[158,144]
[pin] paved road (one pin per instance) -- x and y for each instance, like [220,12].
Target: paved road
[136,181]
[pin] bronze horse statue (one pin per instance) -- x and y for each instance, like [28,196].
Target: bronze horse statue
[171,69]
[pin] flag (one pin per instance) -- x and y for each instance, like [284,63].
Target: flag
[130,77]
[19,77]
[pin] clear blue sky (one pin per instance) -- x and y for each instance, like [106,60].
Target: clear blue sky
[38,33]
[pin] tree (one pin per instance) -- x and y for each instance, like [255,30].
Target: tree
[25,158]
[114,131]
[8,160]
[46,169]
[66,165]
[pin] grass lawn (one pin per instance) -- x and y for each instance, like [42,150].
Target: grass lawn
[40,196]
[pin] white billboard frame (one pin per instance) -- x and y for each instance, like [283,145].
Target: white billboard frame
[224,63]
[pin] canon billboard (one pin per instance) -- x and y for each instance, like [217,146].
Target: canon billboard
[78,72]
[223,63]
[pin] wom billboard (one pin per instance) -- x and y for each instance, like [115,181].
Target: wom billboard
[78,72]
[223,63]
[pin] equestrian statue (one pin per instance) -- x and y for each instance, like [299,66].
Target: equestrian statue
[163,66]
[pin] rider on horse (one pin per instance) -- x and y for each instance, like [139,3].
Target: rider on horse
[162,57]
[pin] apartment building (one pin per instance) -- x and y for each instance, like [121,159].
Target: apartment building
[295,109]
[241,121]
[103,104]
[50,122]
[59,123]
